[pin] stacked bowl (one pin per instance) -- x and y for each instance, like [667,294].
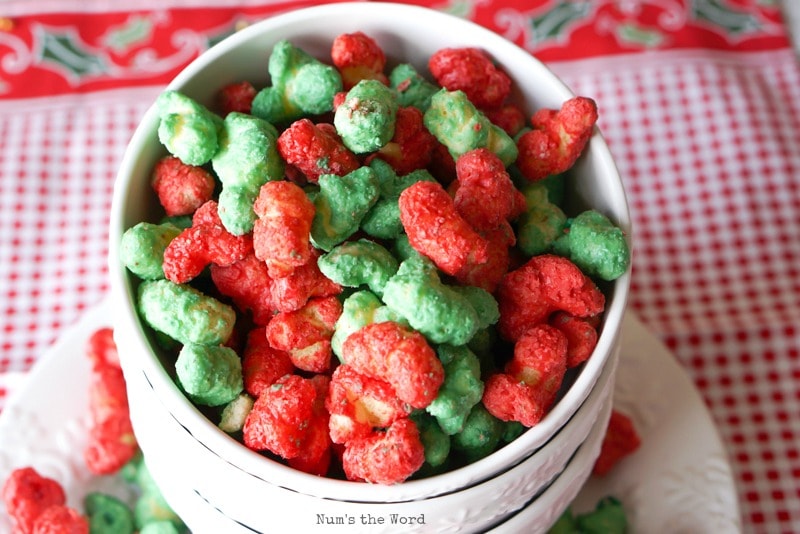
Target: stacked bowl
[213,481]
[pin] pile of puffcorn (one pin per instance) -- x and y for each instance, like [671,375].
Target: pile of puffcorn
[368,273]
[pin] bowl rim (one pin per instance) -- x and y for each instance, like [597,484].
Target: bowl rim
[232,450]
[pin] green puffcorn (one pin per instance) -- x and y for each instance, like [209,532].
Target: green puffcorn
[482,345]
[412,88]
[181,221]
[301,85]
[107,514]
[512,430]
[383,219]
[184,313]
[555,184]
[415,264]
[461,390]
[151,506]
[435,441]
[210,375]
[402,249]
[542,223]
[129,472]
[358,311]
[340,205]
[247,158]
[594,244]
[187,129]
[436,310]
[484,304]
[480,436]
[385,313]
[357,263]
[366,119]
[142,246]
[461,127]
[565,524]
[608,517]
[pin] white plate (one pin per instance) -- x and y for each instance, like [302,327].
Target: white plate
[45,421]
[678,481]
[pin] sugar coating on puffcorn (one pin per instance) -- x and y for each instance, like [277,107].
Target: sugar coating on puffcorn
[187,129]
[412,88]
[301,85]
[366,118]
[461,390]
[383,219]
[184,313]
[210,375]
[595,245]
[142,248]
[247,158]
[357,263]
[442,314]
[340,205]
[461,127]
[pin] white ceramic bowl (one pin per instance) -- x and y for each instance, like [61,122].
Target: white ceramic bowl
[407,34]
[206,497]
[543,511]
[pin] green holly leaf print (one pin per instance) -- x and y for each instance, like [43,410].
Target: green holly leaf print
[718,13]
[69,54]
[458,8]
[214,38]
[136,30]
[643,37]
[555,21]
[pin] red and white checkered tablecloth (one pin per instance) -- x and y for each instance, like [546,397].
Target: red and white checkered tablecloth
[699,101]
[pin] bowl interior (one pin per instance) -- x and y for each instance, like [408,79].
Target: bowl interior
[407,34]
